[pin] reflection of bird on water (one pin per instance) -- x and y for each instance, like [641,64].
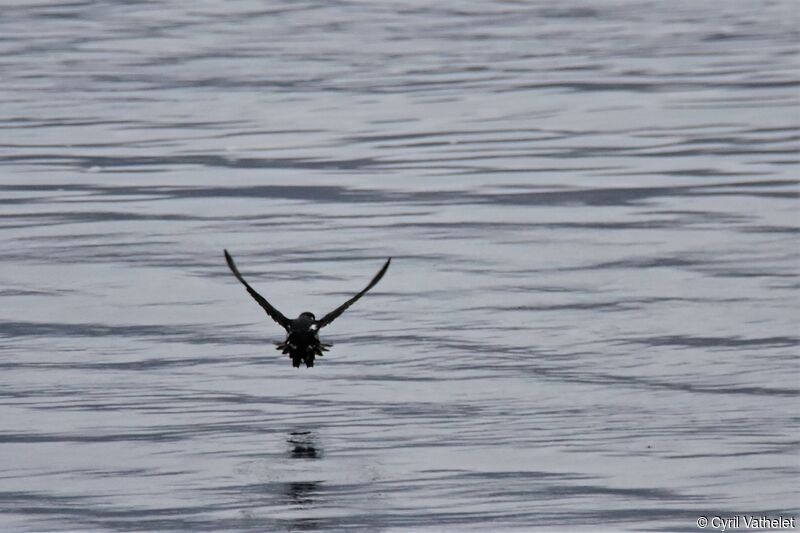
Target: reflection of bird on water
[302,340]
[301,492]
[302,445]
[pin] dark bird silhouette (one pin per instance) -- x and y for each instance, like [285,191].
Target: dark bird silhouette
[302,334]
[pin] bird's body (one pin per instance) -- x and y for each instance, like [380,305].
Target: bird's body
[302,342]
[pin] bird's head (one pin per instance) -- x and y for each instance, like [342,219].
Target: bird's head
[308,315]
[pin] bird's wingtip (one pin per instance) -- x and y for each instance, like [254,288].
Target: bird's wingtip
[229,260]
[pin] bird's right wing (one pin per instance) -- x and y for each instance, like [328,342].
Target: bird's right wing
[276,315]
[333,315]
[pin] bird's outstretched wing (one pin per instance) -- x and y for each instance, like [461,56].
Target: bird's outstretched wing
[333,315]
[276,315]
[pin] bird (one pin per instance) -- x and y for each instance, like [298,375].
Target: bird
[302,342]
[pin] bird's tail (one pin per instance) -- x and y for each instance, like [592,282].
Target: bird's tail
[302,354]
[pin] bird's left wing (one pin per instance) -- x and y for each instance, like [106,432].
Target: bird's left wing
[276,315]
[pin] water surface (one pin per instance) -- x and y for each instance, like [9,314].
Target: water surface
[592,315]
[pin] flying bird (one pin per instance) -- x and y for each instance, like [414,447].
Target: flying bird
[302,333]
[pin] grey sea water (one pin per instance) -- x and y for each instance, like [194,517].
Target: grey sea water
[591,320]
